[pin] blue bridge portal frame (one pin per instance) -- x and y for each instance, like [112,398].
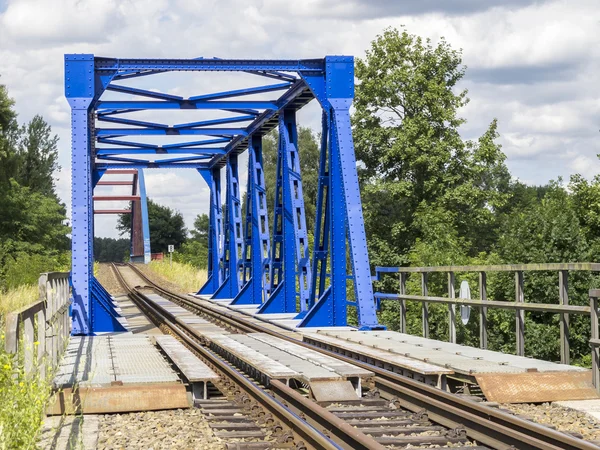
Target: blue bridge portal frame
[251,260]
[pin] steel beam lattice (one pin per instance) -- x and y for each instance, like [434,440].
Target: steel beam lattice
[246,263]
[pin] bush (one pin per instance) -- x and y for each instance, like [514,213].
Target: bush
[23,401]
[193,253]
[25,268]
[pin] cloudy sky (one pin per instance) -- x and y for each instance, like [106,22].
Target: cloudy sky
[532,64]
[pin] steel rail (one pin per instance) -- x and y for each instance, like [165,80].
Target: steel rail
[485,424]
[340,435]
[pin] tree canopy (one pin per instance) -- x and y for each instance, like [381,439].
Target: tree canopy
[414,166]
[33,230]
[167,227]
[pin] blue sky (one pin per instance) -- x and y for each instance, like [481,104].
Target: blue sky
[531,64]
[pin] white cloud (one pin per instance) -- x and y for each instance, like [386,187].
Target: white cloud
[533,65]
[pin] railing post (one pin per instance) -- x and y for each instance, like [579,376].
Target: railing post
[451,309]
[11,342]
[563,292]
[520,314]
[41,340]
[28,342]
[483,334]
[425,293]
[594,293]
[403,302]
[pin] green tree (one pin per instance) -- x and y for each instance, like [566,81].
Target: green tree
[547,231]
[38,157]
[411,155]
[200,231]
[8,135]
[167,226]
[111,250]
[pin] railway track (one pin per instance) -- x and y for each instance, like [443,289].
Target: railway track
[413,413]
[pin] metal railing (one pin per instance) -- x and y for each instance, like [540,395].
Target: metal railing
[483,303]
[40,331]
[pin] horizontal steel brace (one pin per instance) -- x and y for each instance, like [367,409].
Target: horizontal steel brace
[170,131]
[159,151]
[148,165]
[128,65]
[185,104]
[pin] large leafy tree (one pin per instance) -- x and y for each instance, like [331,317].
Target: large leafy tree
[167,226]
[412,160]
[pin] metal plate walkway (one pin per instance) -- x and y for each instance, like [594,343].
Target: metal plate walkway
[501,377]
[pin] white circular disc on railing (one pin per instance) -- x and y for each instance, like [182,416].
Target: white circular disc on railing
[465,310]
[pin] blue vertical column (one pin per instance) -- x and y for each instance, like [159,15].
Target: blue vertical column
[343,212]
[79,90]
[322,230]
[257,243]
[233,235]
[92,309]
[145,219]
[290,263]
[215,232]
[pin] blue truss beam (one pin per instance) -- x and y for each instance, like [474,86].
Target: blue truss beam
[186,104]
[290,240]
[149,165]
[240,92]
[225,120]
[233,246]
[159,151]
[170,131]
[316,291]
[298,93]
[255,260]
[215,233]
[141,92]
[343,219]
[127,66]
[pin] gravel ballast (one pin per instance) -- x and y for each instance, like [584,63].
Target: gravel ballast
[174,429]
[563,419]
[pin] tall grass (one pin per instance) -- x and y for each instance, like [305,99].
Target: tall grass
[186,276]
[17,298]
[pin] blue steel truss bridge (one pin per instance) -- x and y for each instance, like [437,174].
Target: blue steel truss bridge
[250,260]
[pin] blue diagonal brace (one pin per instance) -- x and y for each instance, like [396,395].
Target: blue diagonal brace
[257,242]
[233,234]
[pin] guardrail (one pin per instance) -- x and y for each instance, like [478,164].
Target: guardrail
[519,305]
[40,331]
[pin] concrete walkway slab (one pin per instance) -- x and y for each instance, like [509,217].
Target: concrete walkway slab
[70,432]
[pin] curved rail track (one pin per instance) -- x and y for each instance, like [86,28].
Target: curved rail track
[404,404]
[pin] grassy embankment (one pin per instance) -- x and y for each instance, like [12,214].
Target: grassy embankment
[186,276]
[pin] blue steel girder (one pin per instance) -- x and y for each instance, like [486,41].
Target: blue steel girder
[321,297]
[342,219]
[233,246]
[290,263]
[215,232]
[322,230]
[256,253]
